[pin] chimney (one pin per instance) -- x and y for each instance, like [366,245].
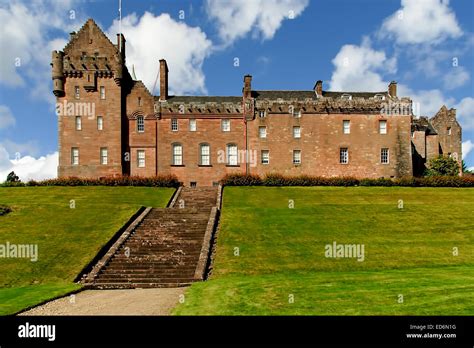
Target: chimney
[163,80]
[318,88]
[247,86]
[72,35]
[121,44]
[392,89]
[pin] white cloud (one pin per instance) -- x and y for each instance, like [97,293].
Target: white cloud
[236,18]
[184,48]
[20,149]
[425,102]
[422,21]
[357,68]
[456,77]
[25,41]
[27,167]
[465,112]
[467,146]
[6,117]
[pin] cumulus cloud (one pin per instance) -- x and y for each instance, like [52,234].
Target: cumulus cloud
[25,46]
[184,48]
[465,112]
[421,21]
[236,18]
[28,167]
[456,78]
[467,146]
[357,68]
[6,117]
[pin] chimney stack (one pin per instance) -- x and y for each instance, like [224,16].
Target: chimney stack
[247,86]
[392,89]
[318,88]
[163,80]
[121,44]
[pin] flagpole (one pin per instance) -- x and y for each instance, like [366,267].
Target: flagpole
[120,25]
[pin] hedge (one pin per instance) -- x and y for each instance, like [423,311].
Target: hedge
[305,180]
[155,181]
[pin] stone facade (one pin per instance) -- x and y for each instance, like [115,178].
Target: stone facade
[128,131]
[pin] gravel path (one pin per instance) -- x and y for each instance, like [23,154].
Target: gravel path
[158,301]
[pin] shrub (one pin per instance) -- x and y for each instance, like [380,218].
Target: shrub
[442,166]
[156,181]
[4,210]
[305,180]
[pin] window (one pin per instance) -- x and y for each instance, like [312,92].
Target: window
[379,97]
[383,127]
[139,101]
[104,155]
[232,155]
[296,132]
[102,92]
[344,155]
[384,156]
[140,124]
[449,130]
[100,123]
[192,125]
[225,125]
[141,158]
[296,113]
[76,92]
[265,156]
[346,96]
[78,123]
[75,156]
[193,184]
[296,156]
[177,155]
[262,114]
[262,132]
[205,154]
[346,126]
[174,124]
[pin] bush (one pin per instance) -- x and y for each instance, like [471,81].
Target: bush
[4,210]
[305,180]
[442,166]
[156,181]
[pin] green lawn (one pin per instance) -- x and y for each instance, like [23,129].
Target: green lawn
[281,268]
[67,238]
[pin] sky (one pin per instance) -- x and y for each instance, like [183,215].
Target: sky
[427,46]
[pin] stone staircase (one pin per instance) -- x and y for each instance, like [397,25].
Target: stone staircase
[166,248]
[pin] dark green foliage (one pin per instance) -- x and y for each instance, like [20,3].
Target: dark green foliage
[12,178]
[442,166]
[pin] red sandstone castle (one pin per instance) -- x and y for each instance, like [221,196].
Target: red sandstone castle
[110,124]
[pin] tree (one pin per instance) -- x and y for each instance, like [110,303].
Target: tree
[12,177]
[464,168]
[442,166]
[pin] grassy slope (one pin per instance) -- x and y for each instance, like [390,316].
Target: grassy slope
[407,252]
[67,238]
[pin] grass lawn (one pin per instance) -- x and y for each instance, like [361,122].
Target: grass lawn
[67,238]
[409,268]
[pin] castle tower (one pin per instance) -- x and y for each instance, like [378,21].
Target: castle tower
[89,79]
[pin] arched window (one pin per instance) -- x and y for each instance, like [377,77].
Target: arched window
[177,154]
[232,155]
[204,154]
[140,124]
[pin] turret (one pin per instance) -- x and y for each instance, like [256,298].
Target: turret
[57,73]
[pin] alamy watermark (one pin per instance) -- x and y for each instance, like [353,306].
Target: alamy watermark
[25,251]
[336,250]
[75,109]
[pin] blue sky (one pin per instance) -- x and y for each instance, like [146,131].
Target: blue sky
[427,46]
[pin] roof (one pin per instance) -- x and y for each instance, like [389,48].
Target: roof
[303,95]
[202,99]
[423,124]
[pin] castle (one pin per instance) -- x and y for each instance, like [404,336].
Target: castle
[110,124]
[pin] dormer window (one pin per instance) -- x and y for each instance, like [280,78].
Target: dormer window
[346,96]
[262,114]
[296,113]
[379,97]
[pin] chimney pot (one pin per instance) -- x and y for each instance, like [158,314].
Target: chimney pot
[318,88]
